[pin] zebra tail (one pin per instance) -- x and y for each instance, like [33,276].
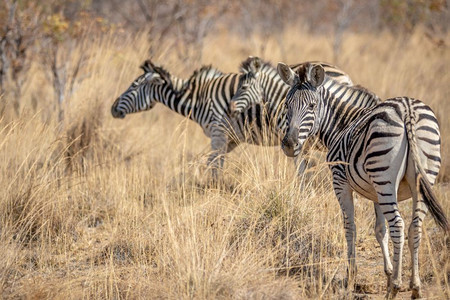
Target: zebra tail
[425,188]
[433,205]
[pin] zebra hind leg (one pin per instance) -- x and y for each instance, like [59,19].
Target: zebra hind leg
[414,237]
[389,207]
[419,211]
[383,240]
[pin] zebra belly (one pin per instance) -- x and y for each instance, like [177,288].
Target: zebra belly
[369,192]
[364,189]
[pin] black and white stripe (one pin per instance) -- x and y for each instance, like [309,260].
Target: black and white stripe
[260,84]
[205,98]
[387,153]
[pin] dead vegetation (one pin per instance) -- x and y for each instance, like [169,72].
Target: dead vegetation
[94,207]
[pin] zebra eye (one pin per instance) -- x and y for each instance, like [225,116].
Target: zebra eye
[311,105]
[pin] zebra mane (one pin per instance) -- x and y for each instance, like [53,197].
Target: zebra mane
[248,65]
[367,91]
[329,81]
[149,67]
[205,72]
[208,70]
[371,99]
[301,72]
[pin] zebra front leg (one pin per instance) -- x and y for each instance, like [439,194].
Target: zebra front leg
[216,158]
[383,240]
[345,198]
[301,164]
[215,162]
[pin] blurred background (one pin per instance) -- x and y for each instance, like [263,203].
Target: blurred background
[188,33]
[95,207]
[40,32]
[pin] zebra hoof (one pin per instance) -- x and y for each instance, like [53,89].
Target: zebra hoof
[390,295]
[349,283]
[389,280]
[392,291]
[416,293]
[395,290]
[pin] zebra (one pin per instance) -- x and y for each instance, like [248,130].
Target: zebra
[205,98]
[387,153]
[145,91]
[179,95]
[261,84]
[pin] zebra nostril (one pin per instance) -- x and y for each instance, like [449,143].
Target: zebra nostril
[117,113]
[285,143]
[288,145]
[288,150]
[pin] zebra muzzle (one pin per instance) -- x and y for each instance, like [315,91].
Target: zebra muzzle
[119,114]
[289,144]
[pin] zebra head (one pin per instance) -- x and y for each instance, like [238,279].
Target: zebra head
[302,105]
[249,89]
[141,94]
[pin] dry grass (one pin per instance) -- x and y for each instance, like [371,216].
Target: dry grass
[105,208]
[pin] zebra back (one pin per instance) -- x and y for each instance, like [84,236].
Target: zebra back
[158,85]
[261,83]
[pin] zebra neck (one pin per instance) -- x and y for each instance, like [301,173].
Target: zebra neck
[274,93]
[179,101]
[342,106]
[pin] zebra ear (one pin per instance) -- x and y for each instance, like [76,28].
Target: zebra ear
[316,75]
[148,66]
[286,73]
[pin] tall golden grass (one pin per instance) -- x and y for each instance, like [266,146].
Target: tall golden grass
[104,208]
